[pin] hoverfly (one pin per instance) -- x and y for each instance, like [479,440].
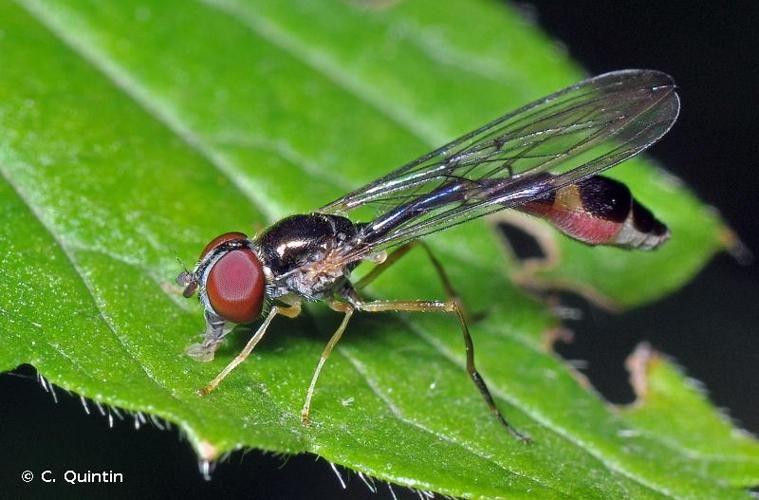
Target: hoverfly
[541,159]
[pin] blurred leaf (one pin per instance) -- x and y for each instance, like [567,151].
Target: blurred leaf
[131,133]
[662,389]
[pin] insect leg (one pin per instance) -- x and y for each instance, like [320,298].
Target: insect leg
[216,330]
[348,309]
[289,312]
[396,255]
[450,306]
[450,293]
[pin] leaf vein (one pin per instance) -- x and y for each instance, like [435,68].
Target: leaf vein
[85,282]
[332,70]
[155,108]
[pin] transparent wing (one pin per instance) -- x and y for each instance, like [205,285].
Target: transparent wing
[559,140]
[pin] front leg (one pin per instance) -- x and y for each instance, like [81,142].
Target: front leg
[290,312]
[216,330]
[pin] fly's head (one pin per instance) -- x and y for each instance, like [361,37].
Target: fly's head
[232,286]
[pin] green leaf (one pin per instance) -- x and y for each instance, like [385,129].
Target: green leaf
[662,389]
[132,133]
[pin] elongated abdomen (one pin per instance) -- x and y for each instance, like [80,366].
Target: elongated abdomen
[600,211]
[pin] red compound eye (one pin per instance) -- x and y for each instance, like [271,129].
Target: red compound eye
[220,240]
[236,285]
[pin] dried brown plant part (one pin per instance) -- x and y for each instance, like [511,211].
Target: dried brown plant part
[561,333]
[557,334]
[207,451]
[735,247]
[638,365]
